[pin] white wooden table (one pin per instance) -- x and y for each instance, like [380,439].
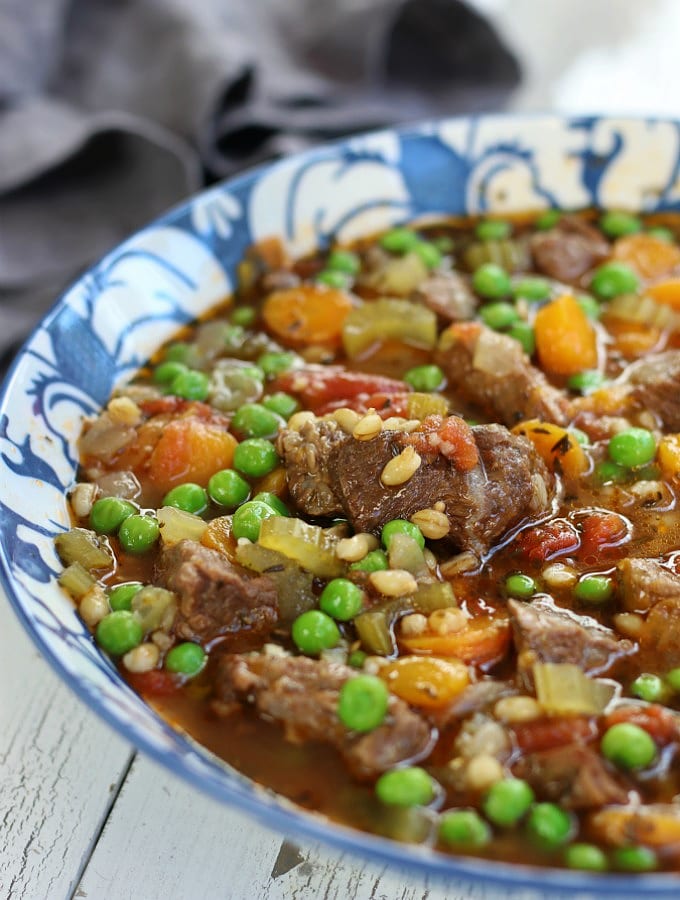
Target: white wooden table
[83,815]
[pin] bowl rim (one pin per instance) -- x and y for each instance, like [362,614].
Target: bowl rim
[273,810]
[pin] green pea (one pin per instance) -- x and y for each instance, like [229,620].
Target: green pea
[399,240]
[363,701]
[227,488]
[401,526]
[499,315]
[314,631]
[255,420]
[618,224]
[334,279]
[673,679]
[634,859]
[233,336]
[191,385]
[585,856]
[425,378]
[549,826]
[190,497]
[491,281]
[255,457]
[613,279]
[587,381]
[507,801]
[531,288]
[411,786]
[548,220]
[120,597]
[119,632]
[590,306]
[525,334]
[608,472]
[628,746]
[428,253]
[356,659]
[282,404]
[520,586]
[341,599]
[632,447]
[464,829]
[247,520]
[343,261]
[580,436]
[180,352]
[275,502]
[244,316]
[649,687]
[167,371]
[109,513]
[662,234]
[138,534]
[493,230]
[443,243]
[594,589]
[276,363]
[375,561]
[186,659]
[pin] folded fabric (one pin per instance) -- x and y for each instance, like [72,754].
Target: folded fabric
[112,111]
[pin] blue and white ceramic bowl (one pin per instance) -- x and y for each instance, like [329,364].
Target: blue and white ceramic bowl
[111,320]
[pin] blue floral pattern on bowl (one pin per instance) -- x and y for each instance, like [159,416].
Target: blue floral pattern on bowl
[113,318]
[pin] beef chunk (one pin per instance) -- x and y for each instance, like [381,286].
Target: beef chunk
[310,480]
[655,384]
[448,295]
[569,250]
[548,634]
[574,776]
[214,597]
[660,635]
[302,694]
[491,371]
[509,483]
[646,581]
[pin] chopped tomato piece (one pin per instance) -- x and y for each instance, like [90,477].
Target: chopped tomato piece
[544,734]
[452,437]
[543,542]
[385,405]
[321,388]
[483,641]
[156,683]
[602,531]
[660,723]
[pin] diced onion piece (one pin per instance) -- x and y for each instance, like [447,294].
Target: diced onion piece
[177,525]
[385,319]
[399,275]
[309,545]
[496,354]
[563,689]
[405,553]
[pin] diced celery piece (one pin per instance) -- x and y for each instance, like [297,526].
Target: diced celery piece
[309,545]
[178,525]
[385,319]
[154,608]
[562,688]
[85,547]
[434,595]
[419,405]
[76,580]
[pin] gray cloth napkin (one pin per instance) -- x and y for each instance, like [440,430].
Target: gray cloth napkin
[113,110]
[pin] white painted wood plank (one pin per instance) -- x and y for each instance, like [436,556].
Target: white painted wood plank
[164,840]
[60,768]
